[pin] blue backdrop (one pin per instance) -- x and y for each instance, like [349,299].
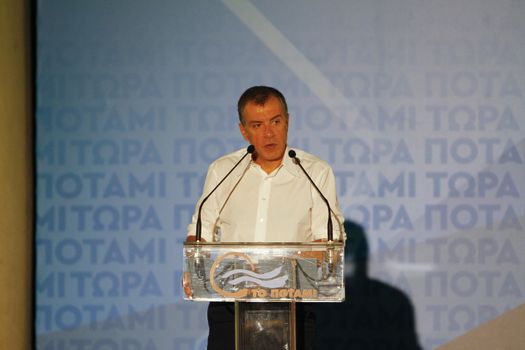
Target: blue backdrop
[418,106]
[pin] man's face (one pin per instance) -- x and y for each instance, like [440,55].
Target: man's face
[266,127]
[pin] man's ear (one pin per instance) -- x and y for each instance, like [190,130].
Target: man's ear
[243,131]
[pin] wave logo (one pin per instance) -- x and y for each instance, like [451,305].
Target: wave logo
[270,279]
[267,280]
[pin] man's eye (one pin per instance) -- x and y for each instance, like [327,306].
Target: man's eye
[256,126]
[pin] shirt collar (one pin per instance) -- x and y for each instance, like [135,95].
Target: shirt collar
[288,165]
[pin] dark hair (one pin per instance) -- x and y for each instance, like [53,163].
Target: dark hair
[259,95]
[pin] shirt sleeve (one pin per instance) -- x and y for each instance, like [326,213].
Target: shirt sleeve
[210,210]
[326,183]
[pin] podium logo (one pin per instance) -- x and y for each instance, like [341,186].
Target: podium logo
[268,280]
[271,279]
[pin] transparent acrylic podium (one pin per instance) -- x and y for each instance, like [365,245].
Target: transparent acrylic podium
[265,281]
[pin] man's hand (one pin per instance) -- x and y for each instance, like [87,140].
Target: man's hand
[186,276]
[186,284]
[190,239]
[320,255]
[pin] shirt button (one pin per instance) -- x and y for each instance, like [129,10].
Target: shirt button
[261,220]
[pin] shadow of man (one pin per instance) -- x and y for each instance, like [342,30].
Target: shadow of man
[374,315]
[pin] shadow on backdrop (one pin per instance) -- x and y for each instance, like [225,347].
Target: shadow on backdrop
[374,315]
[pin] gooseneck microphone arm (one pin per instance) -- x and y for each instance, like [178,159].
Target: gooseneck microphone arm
[329,228]
[198,227]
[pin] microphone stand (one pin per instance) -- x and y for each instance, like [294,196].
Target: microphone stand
[198,227]
[329,225]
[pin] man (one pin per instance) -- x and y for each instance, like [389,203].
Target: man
[267,198]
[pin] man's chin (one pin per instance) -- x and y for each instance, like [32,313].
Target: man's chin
[270,156]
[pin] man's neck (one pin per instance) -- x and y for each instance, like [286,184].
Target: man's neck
[269,167]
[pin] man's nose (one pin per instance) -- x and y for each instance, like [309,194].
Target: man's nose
[269,131]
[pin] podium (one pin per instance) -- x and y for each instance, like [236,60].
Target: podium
[265,280]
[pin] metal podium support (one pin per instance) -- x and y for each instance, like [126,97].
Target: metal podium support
[265,325]
[265,281]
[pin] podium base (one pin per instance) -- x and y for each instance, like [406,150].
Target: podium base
[261,326]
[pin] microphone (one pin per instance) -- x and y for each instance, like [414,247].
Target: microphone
[330,230]
[198,228]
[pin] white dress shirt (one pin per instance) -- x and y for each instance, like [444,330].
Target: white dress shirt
[253,206]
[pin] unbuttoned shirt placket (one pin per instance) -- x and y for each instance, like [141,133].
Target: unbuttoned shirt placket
[263,204]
